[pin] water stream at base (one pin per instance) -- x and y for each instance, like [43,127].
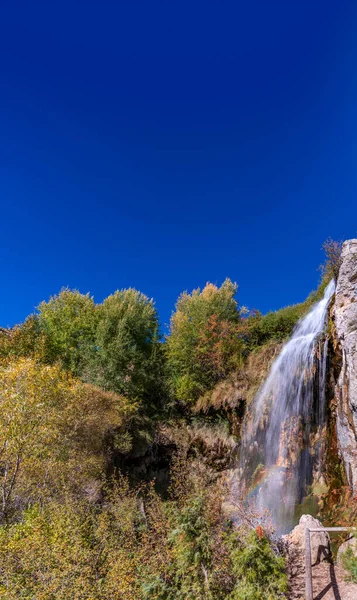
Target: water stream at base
[283,431]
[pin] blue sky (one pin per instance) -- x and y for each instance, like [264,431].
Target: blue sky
[161,145]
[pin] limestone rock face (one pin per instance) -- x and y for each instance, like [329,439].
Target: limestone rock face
[295,541]
[351,543]
[345,315]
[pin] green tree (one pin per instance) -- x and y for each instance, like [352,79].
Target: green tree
[203,345]
[128,355]
[66,326]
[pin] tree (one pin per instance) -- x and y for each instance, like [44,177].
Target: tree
[203,345]
[66,327]
[331,267]
[56,433]
[128,354]
[115,345]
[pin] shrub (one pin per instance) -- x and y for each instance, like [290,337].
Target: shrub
[48,555]
[136,546]
[257,329]
[115,345]
[349,562]
[260,572]
[55,432]
[276,325]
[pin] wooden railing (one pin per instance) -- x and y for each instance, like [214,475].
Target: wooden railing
[308,531]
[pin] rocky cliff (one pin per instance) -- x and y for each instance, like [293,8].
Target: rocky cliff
[345,317]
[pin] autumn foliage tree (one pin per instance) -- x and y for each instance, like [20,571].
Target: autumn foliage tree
[56,434]
[203,345]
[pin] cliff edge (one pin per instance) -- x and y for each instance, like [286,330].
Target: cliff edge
[345,316]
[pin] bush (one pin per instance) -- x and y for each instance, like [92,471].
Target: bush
[277,325]
[256,329]
[259,570]
[56,434]
[48,555]
[135,546]
[349,562]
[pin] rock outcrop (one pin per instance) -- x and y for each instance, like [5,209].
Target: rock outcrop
[345,316]
[293,545]
[329,581]
[350,543]
[295,541]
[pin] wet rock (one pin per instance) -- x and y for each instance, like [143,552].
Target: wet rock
[345,316]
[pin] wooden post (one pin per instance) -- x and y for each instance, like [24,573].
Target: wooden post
[308,565]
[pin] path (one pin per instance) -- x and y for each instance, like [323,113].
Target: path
[328,583]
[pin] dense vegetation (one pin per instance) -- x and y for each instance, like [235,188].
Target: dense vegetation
[204,344]
[84,387]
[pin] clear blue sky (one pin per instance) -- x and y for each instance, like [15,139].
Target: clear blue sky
[164,144]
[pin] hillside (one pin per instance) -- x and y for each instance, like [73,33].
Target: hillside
[127,459]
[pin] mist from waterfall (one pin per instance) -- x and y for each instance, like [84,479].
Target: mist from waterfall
[282,437]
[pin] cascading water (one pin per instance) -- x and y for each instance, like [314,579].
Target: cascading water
[281,440]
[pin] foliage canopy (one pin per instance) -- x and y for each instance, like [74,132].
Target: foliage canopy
[203,345]
[127,337]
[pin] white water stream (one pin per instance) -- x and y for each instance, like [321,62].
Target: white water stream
[282,439]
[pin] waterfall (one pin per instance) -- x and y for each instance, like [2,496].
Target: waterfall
[283,430]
